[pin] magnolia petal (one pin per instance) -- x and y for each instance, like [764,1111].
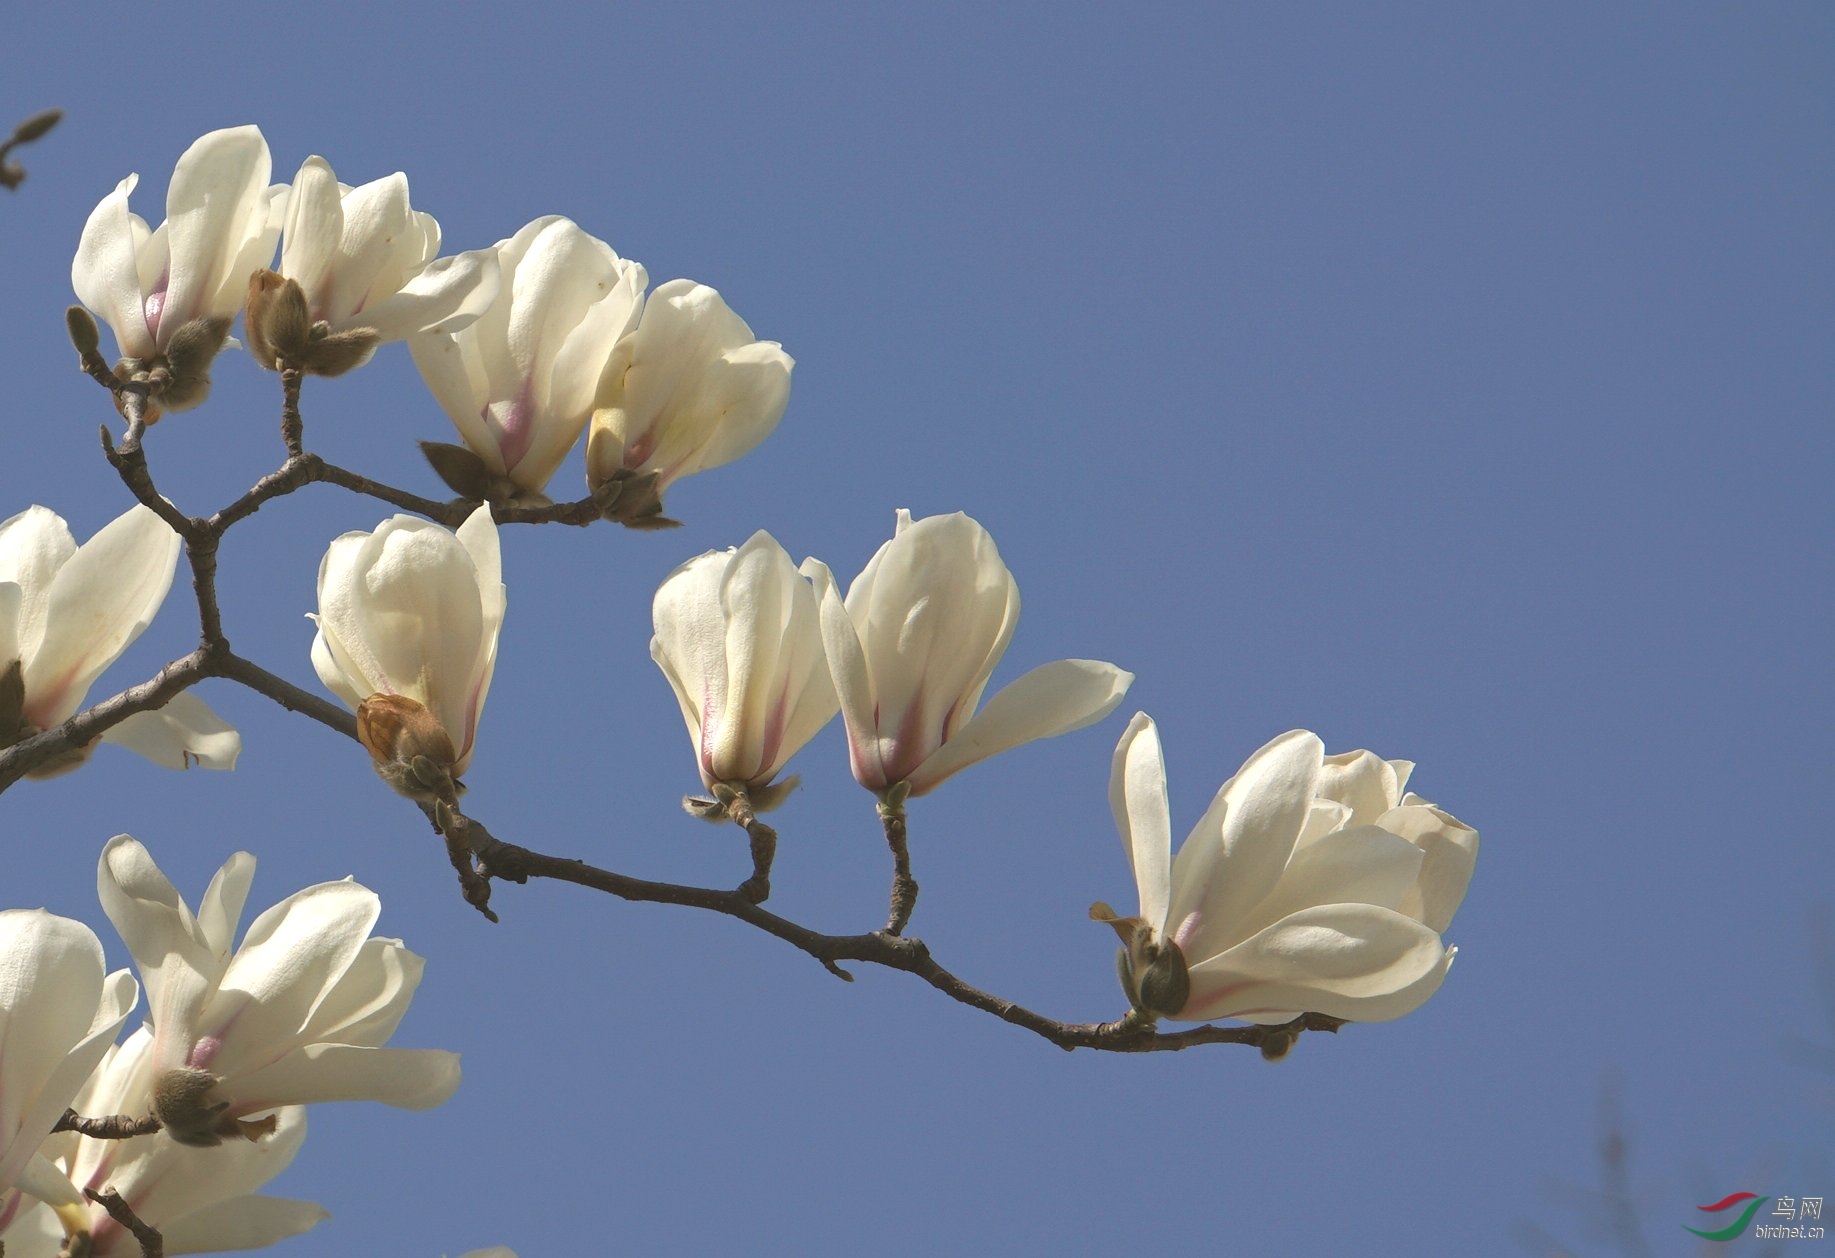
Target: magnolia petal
[1361,780]
[177,963]
[1050,700]
[105,272]
[39,1178]
[369,1001]
[182,733]
[314,229]
[853,685]
[241,1223]
[292,957]
[1235,855]
[218,192]
[748,388]
[454,372]
[34,545]
[1362,865]
[221,908]
[334,672]
[1137,797]
[448,294]
[1451,851]
[99,602]
[1325,959]
[407,1078]
[51,991]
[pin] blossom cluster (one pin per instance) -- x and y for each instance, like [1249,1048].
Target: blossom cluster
[1314,883]
[236,1042]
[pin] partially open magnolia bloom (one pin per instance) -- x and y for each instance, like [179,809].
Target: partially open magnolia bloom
[171,294]
[1311,885]
[58,1016]
[739,636]
[912,649]
[297,1014]
[690,389]
[519,382]
[200,1200]
[67,612]
[408,621]
[364,262]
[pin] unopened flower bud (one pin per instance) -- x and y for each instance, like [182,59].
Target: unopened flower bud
[84,334]
[36,126]
[277,320]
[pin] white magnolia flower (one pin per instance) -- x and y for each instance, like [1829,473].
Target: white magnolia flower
[367,259]
[913,647]
[412,612]
[690,389]
[68,612]
[58,1016]
[1311,885]
[200,1200]
[519,383]
[222,220]
[739,636]
[297,1014]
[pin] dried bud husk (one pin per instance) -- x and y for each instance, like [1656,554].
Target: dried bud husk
[464,472]
[633,500]
[411,750]
[334,353]
[182,380]
[277,322]
[773,794]
[704,808]
[84,334]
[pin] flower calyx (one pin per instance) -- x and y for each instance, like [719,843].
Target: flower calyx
[410,750]
[633,499]
[178,379]
[282,332]
[182,1102]
[1153,971]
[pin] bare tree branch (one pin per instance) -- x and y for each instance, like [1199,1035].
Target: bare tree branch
[12,174]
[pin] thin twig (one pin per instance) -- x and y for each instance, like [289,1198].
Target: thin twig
[152,1244]
[12,174]
[108,1126]
[904,886]
[763,838]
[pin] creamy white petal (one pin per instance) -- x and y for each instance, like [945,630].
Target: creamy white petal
[1137,797]
[106,275]
[314,229]
[185,732]
[58,1015]
[1235,856]
[454,371]
[102,599]
[1362,865]
[1361,780]
[1451,851]
[292,956]
[444,296]
[241,1223]
[220,911]
[1050,700]
[407,1078]
[1322,959]
[853,684]
[177,963]
[34,545]
[217,201]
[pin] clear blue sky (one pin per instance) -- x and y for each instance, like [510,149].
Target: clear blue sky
[1452,380]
